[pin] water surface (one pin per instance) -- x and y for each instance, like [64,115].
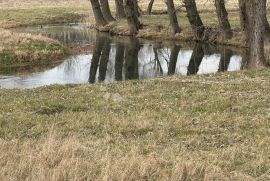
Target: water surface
[102,58]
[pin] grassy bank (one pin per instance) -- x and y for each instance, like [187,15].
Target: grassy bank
[157,26]
[20,49]
[24,50]
[14,14]
[194,128]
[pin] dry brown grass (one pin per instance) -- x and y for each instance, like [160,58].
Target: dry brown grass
[194,128]
[40,3]
[52,158]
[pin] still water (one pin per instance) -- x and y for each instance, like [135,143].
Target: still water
[103,58]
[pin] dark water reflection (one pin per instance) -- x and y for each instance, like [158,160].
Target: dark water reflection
[116,59]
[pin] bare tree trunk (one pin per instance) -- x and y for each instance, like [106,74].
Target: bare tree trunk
[100,21]
[243,15]
[105,8]
[266,25]
[223,19]
[132,18]
[150,7]
[120,12]
[136,7]
[267,28]
[173,18]
[194,18]
[256,33]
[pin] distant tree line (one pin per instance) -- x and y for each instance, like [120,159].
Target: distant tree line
[254,23]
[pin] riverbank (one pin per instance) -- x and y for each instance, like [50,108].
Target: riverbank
[21,49]
[162,32]
[198,128]
[156,27]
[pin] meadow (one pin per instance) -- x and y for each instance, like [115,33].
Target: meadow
[211,127]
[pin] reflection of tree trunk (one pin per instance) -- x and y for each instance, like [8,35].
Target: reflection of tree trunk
[194,18]
[173,59]
[132,18]
[225,59]
[104,59]
[150,7]
[120,12]
[172,16]
[223,18]
[196,59]
[119,60]
[158,61]
[100,21]
[105,8]
[95,59]
[131,59]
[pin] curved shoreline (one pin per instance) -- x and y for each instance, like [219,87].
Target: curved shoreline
[22,49]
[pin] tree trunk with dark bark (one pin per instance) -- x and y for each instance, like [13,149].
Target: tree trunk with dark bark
[266,25]
[172,15]
[132,19]
[256,31]
[150,7]
[194,18]
[105,9]
[223,20]
[244,17]
[120,12]
[137,8]
[99,18]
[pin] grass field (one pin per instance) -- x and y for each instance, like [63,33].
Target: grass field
[212,127]
[29,12]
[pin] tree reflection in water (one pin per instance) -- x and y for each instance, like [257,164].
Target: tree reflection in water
[112,59]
